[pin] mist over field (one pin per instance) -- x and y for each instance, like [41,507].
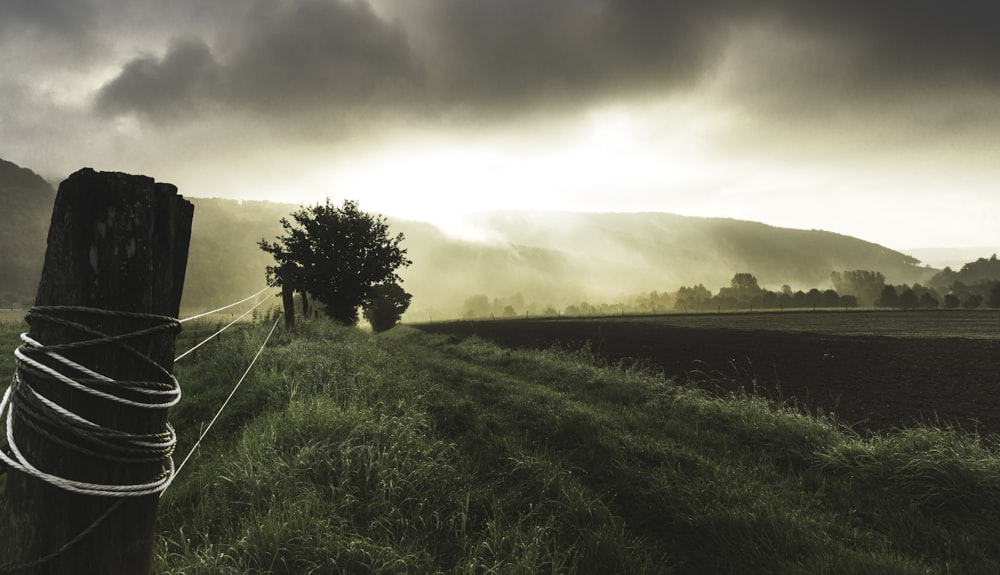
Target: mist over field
[523,263]
[497,263]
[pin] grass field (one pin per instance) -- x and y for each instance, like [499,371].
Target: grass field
[12,317]
[874,370]
[416,453]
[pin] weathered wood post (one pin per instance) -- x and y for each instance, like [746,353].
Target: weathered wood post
[117,243]
[288,296]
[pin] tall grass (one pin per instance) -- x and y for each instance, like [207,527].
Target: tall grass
[346,452]
[9,340]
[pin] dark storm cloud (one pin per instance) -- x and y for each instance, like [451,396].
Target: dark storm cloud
[319,53]
[285,59]
[163,87]
[306,56]
[522,49]
[917,41]
[520,53]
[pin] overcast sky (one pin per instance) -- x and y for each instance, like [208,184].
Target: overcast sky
[873,118]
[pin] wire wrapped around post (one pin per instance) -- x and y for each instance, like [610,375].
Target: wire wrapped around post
[61,426]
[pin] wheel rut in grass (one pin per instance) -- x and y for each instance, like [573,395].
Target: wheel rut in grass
[873,383]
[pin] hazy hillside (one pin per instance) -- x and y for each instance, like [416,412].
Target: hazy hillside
[550,258]
[629,251]
[533,258]
[225,264]
[27,206]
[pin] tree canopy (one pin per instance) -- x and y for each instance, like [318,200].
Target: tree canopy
[386,305]
[336,254]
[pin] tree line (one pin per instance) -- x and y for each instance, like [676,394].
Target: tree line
[977,284]
[850,289]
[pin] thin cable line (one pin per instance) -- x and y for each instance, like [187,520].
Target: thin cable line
[206,340]
[225,403]
[246,299]
[175,393]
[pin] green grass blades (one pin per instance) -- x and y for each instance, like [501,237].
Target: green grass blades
[9,340]
[346,452]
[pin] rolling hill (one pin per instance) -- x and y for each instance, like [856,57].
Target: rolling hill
[534,258]
[27,207]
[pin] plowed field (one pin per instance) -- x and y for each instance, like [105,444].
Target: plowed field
[874,371]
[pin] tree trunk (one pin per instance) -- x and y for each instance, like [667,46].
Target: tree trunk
[288,299]
[305,304]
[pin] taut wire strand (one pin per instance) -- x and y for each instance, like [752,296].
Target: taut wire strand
[225,403]
[246,299]
[230,324]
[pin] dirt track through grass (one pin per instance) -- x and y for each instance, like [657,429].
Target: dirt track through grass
[938,368]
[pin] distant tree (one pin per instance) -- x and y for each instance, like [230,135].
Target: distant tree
[784,300]
[337,254]
[960,290]
[974,301]
[745,282]
[888,298]
[742,293]
[692,297]
[799,299]
[509,311]
[769,300]
[848,301]
[866,285]
[814,298]
[908,299]
[927,301]
[386,304]
[951,301]
[830,298]
[994,294]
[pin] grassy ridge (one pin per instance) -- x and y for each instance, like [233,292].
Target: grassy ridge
[409,453]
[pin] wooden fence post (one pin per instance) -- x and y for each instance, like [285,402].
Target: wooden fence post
[117,242]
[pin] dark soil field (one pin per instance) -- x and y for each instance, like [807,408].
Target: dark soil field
[873,370]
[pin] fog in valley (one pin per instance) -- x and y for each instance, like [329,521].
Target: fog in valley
[524,263]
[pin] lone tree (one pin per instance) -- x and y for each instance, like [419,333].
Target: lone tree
[337,255]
